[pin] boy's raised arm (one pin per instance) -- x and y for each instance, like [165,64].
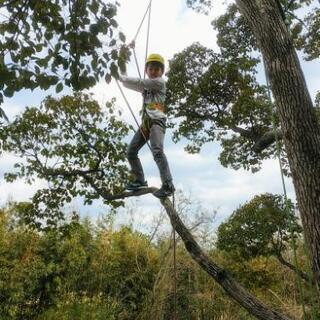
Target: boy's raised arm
[137,84]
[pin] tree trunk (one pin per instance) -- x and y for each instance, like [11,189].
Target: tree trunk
[232,288]
[301,132]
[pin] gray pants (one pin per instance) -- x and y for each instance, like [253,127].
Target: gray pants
[156,137]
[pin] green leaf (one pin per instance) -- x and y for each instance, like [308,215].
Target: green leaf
[114,70]
[69,37]
[37,69]
[108,78]
[8,92]
[2,113]
[122,37]
[112,42]
[94,7]
[59,87]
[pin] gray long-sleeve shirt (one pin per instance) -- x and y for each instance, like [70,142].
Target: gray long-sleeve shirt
[154,94]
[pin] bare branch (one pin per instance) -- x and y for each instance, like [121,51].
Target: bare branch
[266,140]
[244,132]
[300,273]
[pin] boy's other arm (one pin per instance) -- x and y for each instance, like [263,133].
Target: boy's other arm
[139,85]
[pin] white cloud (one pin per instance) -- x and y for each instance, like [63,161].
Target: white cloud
[12,109]
[18,190]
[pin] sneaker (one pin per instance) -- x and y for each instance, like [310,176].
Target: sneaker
[166,190]
[136,185]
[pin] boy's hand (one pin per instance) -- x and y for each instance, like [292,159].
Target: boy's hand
[132,44]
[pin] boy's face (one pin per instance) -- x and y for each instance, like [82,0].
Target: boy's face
[154,71]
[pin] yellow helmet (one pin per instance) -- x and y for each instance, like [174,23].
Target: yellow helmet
[154,57]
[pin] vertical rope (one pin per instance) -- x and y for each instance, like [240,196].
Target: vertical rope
[174,267]
[173,198]
[127,103]
[141,23]
[137,33]
[148,35]
[136,61]
[137,64]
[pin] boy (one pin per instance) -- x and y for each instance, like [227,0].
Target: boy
[153,126]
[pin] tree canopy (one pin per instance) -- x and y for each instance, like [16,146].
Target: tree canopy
[71,143]
[262,226]
[217,97]
[214,97]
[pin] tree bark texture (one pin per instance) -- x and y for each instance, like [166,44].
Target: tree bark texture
[301,132]
[232,288]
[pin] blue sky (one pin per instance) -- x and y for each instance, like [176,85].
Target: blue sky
[173,28]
